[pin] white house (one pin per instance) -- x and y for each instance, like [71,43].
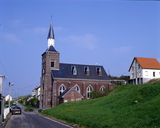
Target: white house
[144,69]
[36,92]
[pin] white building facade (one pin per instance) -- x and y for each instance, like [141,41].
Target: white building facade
[144,69]
[36,92]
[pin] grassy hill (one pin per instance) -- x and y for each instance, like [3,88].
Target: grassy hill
[125,107]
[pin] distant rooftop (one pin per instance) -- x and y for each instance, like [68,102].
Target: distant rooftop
[147,63]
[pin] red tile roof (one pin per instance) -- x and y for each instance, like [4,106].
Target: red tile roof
[148,63]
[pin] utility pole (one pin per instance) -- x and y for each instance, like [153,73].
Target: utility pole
[10,85]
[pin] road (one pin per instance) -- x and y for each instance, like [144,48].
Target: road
[33,120]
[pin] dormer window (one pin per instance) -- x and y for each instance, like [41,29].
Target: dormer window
[99,71]
[74,70]
[86,70]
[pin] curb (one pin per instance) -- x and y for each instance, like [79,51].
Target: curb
[56,120]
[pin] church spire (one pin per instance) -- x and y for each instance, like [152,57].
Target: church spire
[51,32]
[51,41]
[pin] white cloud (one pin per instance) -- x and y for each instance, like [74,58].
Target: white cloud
[87,40]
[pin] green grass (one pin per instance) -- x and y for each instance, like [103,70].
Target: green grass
[125,107]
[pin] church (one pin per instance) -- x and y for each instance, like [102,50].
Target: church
[64,82]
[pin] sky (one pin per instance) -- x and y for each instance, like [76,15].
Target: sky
[103,32]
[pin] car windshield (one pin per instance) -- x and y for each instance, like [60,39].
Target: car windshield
[14,107]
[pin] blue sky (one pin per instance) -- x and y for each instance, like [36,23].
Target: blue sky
[105,32]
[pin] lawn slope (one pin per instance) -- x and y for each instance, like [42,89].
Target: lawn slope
[125,107]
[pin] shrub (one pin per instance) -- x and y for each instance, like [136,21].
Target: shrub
[28,109]
[96,94]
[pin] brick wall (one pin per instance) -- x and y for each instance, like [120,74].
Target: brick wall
[46,79]
[83,84]
[72,95]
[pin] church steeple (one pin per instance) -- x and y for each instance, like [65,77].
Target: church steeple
[51,41]
[51,32]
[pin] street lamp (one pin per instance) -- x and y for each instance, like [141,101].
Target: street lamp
[1,98]
[10,85]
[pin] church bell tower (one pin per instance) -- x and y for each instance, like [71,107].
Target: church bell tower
[50,62]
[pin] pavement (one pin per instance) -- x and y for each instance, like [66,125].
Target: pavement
[1,125]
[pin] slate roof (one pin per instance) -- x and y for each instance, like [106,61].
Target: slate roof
[65,71]
[64,93]
[147,63]
[51,48]
[68,91]
[51,32]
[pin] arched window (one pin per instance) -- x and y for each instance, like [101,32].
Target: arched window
[102,89]
[77,88]
[88,91]
[62,88]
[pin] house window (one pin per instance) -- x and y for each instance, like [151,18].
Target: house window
[89,91]
[99,71]
[62,88]
[154,74]
[146,73]
[77,88]
[86,70]
[52,64]
[74,70]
